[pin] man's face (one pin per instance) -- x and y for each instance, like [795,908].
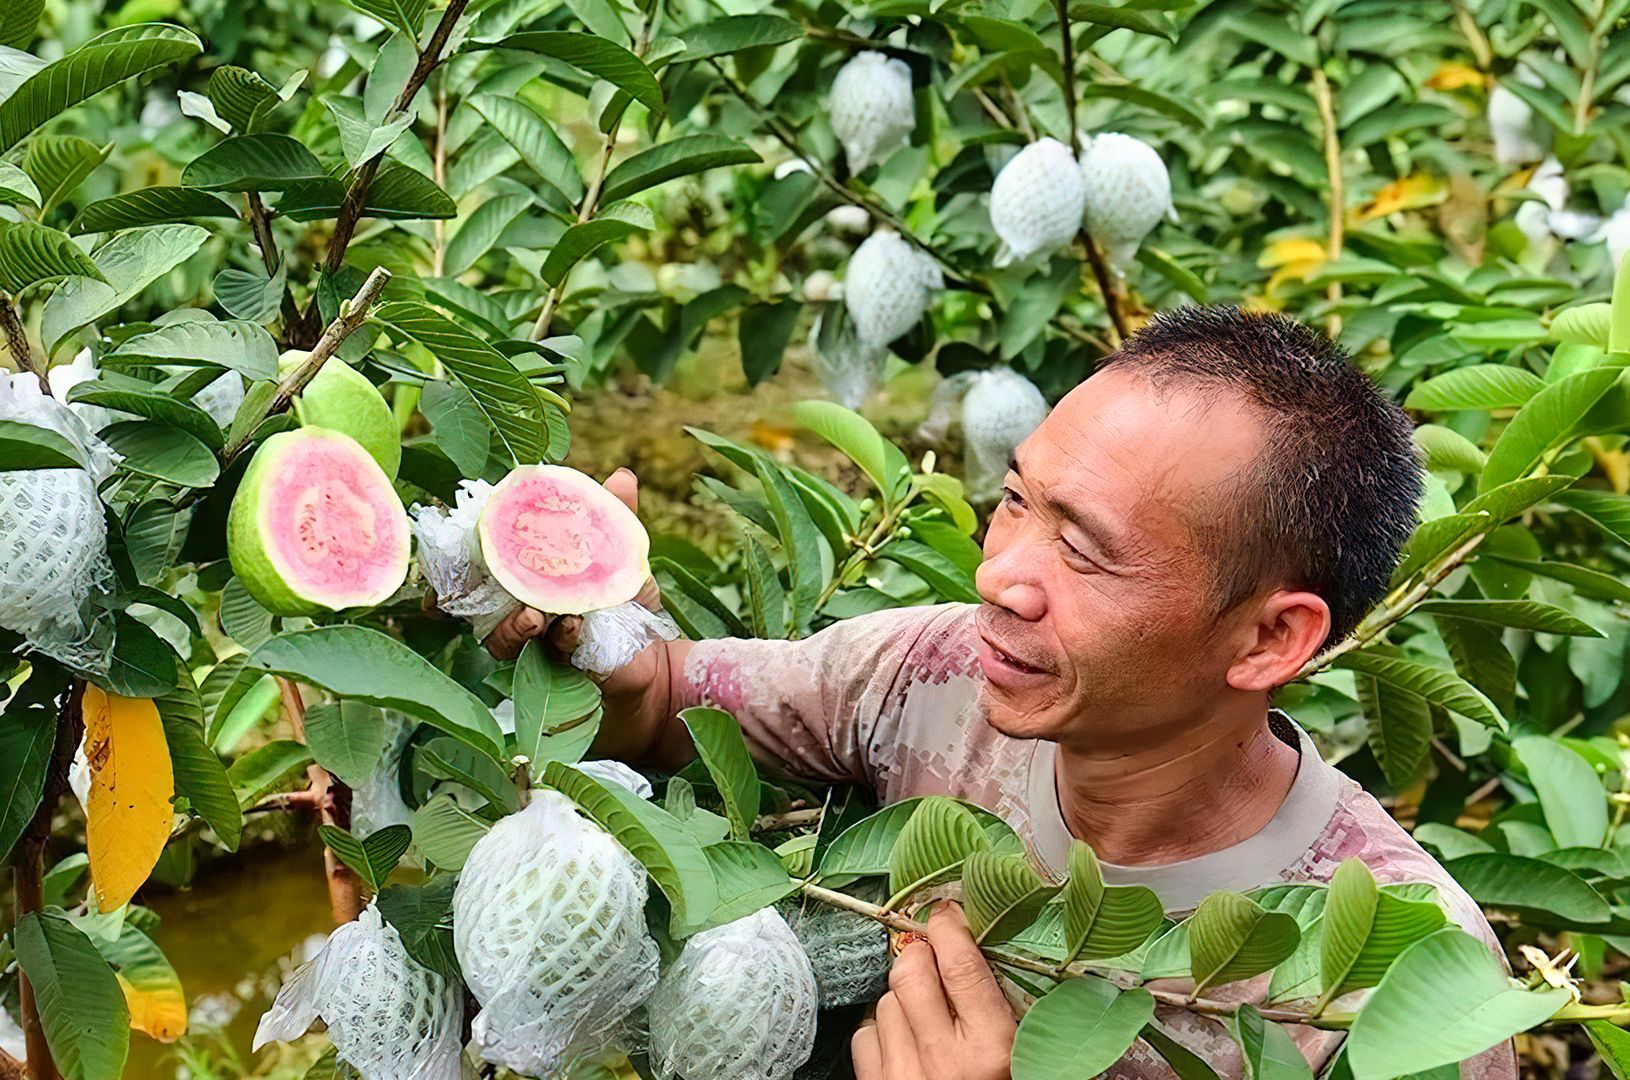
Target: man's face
[1097,623]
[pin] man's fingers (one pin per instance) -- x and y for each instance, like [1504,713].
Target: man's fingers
[865,1052]
[626,486]
[900,1058]
[915,981]
[967,978]
[650,595]
[566,632]
[507,639]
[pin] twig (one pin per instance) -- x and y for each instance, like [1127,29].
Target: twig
[356,196]
[1338,198]
[17,342]
[438,252]
[260,222]
[344,887]
[792,819]
[1475,38]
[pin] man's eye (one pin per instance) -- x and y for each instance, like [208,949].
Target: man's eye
[1011,498]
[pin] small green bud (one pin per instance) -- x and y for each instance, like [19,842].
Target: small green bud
[904,532]
[866,505]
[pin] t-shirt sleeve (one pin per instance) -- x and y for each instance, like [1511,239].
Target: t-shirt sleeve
[808,707]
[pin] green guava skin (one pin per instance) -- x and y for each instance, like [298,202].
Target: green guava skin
[342,399]
[246,545]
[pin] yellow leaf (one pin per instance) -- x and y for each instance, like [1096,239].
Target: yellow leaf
[1406,193]
[159,1012]
[1455,77]
[1297,249]
[128,814]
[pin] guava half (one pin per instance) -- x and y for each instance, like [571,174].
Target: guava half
[342,399]
[561,543]
[315,524]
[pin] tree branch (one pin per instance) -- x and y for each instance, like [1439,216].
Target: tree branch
[1338,197]
[1095,258]
[17,342]
[344,887]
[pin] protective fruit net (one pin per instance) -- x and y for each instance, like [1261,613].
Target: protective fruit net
[615,772]
[1128,192]
[1037,201]
[549,929]
[847,365]
[1001,408]
[738,1004]
[450,560]
[870,109]
[848,952]
[53,540]
[887,287]
[221,398]
[1520,135]
[376,799]
[388,1016]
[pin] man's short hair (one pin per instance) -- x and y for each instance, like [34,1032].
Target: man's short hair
[1335,493]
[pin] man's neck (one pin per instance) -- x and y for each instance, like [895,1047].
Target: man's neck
[1169,799]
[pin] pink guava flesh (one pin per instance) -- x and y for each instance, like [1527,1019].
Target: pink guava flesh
[561,543]
[332,533]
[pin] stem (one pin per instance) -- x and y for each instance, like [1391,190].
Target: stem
[439,249]
[1069,74]
[11,1068]
[344,887]
[792,819]
[17,342]
[1338,198]
[1587,84]
[1474,36]
[356,196]
[260,222]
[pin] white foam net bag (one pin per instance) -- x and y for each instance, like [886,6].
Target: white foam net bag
[1128,192]
[53,539]
[1001,408]
[738,1004]
[1520,134]
[615,772]
[388,1017]
[221,398]
[549,929]
[870,108]
[450,560]
[847,365]
[376,798]
[1037,201]
[848,953]
[888,286]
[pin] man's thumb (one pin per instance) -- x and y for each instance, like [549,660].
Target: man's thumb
[626,486]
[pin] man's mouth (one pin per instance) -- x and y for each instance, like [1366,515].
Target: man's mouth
[1003,666]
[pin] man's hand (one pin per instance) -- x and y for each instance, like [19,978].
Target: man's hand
[944,1017]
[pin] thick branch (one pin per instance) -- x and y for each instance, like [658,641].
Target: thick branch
[344,887]
[17,341]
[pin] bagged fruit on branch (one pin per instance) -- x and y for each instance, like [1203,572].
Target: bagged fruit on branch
[871,109]
[996,410]
[549,930]
[1128,192]
[388,1016]
[551,538]
[1520,134]
[53,538]
[608,771]
[1037,201]
[376,798]
[315,525]
[887,287]
[738,1004]
[848,953]
[849,366]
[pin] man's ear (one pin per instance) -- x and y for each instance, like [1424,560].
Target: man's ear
[1287,632]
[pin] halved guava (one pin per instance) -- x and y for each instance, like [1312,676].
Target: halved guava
[561,543]
[315,524]
[342,399]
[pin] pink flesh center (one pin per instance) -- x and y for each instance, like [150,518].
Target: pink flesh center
[555,536]
[333,533]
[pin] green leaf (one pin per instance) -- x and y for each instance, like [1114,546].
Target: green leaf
[373,859]
[59,163]
[423,917]
[931,846]
[1542,893]
[747,877]
[762,334]
[578,242]
[103,61]
[504,395]
[149,206]
[151,405]
[267,768]
[799,541]
[1480,386]
[1365,929]
[1232,937]
[142,967]
[28,728]
[356,662]
[1545,423]
[1585,581]
[766,599]
[1447,998]
[241,97]
[1002,894]
[1447,449]
[143,664]
[234,344]
[1434,684]
[557,709]
[1618,338]
[199,775]
[535,140]
[1124,18]
[17,188]
[398,193]
[723,750]
[481,229]
[948,580]
[251,295]
[361,139]
[693,605]
[405,15]
[1399,730]
[682,156]
[24,446]
[1101,920]
[18,21]
[1613,1044]
[128,263]
[851,433]
[162,452]
[264,162]
[1183,1061]
[595,56]
[1520,614]
[445,832]
[1570,793]
[1266,1050]
[346,737]
[1586,324]
[33,254]
[1609,511]
[1173,271]
[733,33]
[660,842]
[1079,1029]
[81,1006]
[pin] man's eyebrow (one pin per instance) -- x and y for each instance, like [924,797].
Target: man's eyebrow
[1089,523]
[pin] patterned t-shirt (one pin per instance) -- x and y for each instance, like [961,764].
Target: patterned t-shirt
[891,700]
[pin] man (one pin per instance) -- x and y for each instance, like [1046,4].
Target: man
[1223,498]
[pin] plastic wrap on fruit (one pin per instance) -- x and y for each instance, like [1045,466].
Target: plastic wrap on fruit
[1000,409]
[551,538]
[848,953]
[376,798]
[888,286]
[549,930]
[388,1016]
[849,366]
[53,538]
[1520,134]
[1037,201]
[738,1004]
[871,110]
[615,772]
[1128,193]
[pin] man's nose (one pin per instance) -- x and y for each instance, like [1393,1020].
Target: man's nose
[1007,579]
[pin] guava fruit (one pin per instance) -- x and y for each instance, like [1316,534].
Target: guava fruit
[888,286]
[1037,201]
[315,525]
[871,109]
[561,543]
[1128,192]
[342,399]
